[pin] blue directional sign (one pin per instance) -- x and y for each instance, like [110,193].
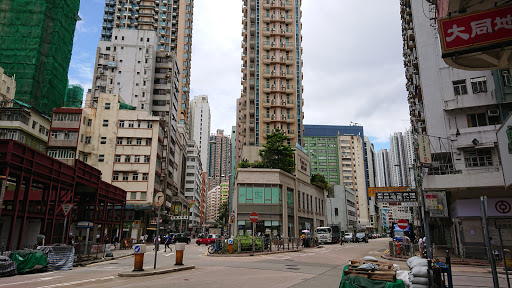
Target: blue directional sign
[137,249]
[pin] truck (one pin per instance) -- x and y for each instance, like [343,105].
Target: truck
[336,234]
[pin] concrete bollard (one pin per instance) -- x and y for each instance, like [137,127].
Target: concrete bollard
[180,247]
[139,251]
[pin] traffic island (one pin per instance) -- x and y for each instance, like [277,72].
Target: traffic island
[151,272]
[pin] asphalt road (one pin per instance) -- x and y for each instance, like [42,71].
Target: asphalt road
[315,267]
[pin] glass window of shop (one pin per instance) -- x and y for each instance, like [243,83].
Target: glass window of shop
[259,194]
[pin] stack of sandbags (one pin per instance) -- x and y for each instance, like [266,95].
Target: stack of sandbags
[419,272]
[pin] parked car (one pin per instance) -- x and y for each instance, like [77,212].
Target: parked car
[348,237]
[361,237]
[207,240]
[180,238]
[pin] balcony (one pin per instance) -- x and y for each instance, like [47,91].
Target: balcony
[289,89]
[289,19]
[482,177]
[267,118]
[277,18]
[290,118]
[290,60]
[289,32]
[288,5]
[289,74]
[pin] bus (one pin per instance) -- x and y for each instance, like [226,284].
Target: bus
[324,234]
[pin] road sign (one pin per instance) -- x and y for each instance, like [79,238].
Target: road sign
[402,224]
[372,190]
[159,199]
[398,197]
[253,217]
[66,208]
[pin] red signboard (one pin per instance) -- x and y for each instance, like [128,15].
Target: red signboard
[253,217]
[402,224]
[472,32]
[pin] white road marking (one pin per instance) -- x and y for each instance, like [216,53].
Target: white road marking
[77,282]
[172,253]
[29,281]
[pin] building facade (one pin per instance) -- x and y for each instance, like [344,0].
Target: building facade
[212,204]
[172,23]
[193,185]
[384,168]
[199,125]
[341,208]
[7,86]
[74,96]
[35,45]
[272,73]
[460,113]
[219,164]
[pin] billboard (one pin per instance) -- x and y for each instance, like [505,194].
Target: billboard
[504,136]
[424,154]
[478,31]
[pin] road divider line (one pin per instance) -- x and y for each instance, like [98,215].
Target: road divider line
[30,281]
[77,282]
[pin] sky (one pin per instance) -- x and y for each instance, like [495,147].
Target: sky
[353,65]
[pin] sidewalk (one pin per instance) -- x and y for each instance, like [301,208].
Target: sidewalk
[117,255]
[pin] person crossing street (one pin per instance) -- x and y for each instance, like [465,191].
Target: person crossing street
[167,242]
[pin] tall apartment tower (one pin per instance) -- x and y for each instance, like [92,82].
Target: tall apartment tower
[171,20]
[383,168]
[219,164]
[193,184]
[199,125]
[397,158]
[212,204]
[460,113]
[36,40]
[272,73]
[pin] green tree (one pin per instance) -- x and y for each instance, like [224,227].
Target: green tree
[223,214]
[276,154]
[319,181]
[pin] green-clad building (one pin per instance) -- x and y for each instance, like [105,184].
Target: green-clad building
[36,39]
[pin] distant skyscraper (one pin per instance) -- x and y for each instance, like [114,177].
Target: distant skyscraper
[383,168]
[401,159]
[219,164]
[200,123]
[36,39]
[272,73]
[172,22]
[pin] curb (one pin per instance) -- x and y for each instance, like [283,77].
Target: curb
[155,272]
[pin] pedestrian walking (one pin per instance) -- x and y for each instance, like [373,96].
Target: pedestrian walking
[167,242]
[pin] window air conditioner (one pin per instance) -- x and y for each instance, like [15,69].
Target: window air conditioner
[493,112]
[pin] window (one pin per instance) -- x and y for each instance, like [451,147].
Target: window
[479,85]
[89,122]
[107,106]
[130,124]
[135,177]
[117,158]
[460,88]
[101,158]
[478,158]
[115,176]
[146,159]
[335,211]
[139,141]
[137,159]
[34,124]
[119,141]
[145,176]
[105,123]
[103,140]
[85,158]
[121,124]
[127,158]
[88,140]
[150,125]
[128,141]
[125,176]
[133,195]
[148,142]
[143,195]
[477,119]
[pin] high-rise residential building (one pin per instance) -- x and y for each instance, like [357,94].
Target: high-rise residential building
[36,40]
[193,185]
[7,86]
[398,160]
[460,112]
[383,168]
[74,96]
[219,164]
[351,165]
[224,192]
[171,20]
[212,204]
[272,73]
[370,162]
[199,126]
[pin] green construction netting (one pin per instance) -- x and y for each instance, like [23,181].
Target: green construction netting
[74,96]
[125,106]
[36,39]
